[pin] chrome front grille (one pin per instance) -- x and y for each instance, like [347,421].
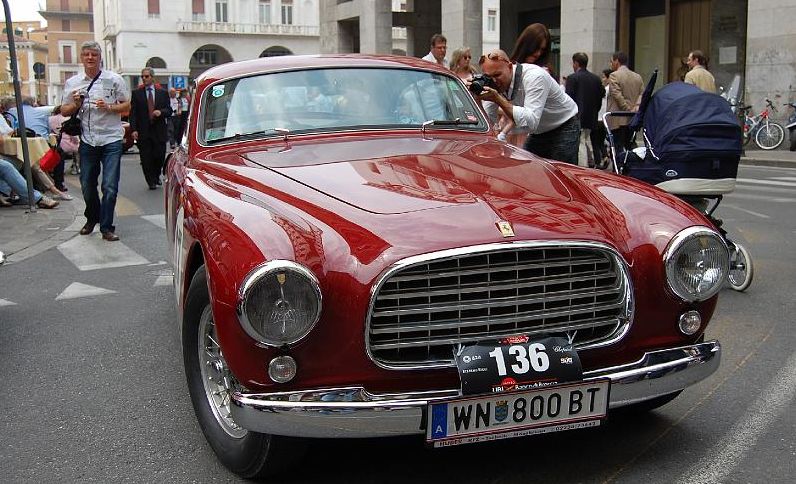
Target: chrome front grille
[425,307]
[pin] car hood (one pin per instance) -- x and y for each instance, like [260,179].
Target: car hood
[400,175]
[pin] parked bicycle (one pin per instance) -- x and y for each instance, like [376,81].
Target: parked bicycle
[767,134]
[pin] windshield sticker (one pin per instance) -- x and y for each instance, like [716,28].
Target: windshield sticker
[470,116]
[453,85]
[218,91]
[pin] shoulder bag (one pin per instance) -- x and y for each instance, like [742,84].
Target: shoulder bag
[72,124]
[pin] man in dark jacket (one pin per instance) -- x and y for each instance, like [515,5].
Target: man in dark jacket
[149,109]
[587,91]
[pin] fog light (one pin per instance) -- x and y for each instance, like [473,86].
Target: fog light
[282,369]
[690,322]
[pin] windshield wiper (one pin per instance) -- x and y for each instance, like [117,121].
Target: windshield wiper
[446,122]
[252,135]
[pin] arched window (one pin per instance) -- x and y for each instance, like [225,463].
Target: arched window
[275,51]
[156,63]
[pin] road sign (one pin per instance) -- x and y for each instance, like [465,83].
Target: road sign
[179,82]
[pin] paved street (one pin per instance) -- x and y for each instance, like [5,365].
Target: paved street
[94,388]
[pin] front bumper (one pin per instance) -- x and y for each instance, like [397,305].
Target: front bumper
[354,412]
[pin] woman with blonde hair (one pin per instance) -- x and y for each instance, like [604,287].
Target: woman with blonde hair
[460,63]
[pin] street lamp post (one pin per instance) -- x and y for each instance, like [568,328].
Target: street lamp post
[12,54]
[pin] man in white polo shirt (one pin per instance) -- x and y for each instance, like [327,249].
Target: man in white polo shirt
[99,97]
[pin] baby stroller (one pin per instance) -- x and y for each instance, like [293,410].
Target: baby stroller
[692,147]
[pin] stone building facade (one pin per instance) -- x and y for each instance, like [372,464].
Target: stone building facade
[753,39]
[183,38]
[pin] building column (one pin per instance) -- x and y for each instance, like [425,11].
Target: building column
[462,25]
[770,57]
[588,26]
[375,27]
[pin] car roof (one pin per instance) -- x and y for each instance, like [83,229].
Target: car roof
[287,62]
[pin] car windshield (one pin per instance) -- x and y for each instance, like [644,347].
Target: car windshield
[335,99]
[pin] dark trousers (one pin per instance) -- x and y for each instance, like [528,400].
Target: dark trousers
[598,142]
[152,153]
[557,144]
[96,159]
[621,137]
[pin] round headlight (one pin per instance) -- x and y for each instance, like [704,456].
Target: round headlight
[279,302]
[696,263]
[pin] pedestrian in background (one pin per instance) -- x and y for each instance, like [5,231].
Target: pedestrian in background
[173,121]
[533,47]
[698,73]
[439,47]
[624,94]
[149,108]
[588,92]
[99,97]
[460,63]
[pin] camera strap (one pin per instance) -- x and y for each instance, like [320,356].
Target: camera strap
[517,80]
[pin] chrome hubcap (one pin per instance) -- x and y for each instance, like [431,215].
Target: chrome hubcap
[218,382]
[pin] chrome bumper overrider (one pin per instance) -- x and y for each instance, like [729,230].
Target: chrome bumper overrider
[354,412]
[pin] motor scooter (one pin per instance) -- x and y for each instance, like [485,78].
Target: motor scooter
[792,126]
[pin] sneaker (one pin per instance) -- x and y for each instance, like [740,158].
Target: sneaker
[46,202]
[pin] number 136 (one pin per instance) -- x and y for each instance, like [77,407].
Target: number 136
[534,357]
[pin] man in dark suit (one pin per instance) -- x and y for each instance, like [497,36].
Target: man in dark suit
[587,91]
[149,109]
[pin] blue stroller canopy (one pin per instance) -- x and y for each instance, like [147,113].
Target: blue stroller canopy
[681,120]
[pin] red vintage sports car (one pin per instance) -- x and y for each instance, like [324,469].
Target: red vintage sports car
[356,255]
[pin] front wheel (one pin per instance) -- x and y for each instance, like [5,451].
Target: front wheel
[770,136]
[793,139]
[741,268]
[211,384]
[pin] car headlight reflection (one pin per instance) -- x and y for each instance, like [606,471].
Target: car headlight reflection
[279,302]
[696,262]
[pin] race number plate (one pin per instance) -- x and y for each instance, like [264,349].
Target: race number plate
[508,415]
[517,363]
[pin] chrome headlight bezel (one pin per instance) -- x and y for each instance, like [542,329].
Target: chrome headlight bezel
[260,274]
[681,242]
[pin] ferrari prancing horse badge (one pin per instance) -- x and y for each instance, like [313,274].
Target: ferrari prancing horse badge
[505,228]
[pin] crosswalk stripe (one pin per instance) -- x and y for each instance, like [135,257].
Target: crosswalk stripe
[766,198]
[90,252]
[78,290]
[765,182]
[158,220]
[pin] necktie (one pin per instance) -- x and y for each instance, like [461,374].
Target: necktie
[150,103]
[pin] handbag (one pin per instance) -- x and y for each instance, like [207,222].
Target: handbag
[52,157]
[72,126]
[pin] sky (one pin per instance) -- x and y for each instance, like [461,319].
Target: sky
[24,10]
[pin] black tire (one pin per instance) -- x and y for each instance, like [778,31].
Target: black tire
[649,405]
[247,454]
[793,139]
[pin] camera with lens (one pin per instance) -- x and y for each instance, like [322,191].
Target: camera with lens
[479,82]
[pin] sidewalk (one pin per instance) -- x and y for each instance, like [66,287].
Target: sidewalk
[24,234]
[780,158]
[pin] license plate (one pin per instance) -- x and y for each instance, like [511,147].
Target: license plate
[508,415]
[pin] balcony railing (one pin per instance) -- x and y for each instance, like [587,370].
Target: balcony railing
[71,10]
[240,28]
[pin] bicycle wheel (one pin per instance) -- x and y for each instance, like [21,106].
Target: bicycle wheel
[741,268]
[770,136]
